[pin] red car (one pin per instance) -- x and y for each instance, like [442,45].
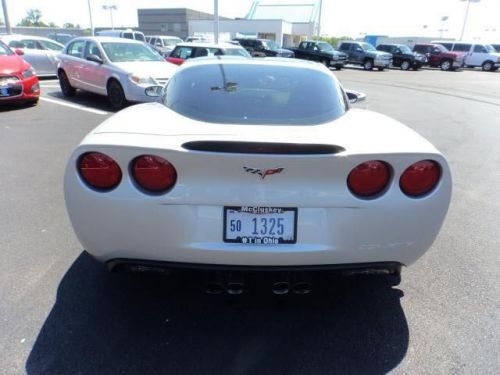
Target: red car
[439,57]
[18,81]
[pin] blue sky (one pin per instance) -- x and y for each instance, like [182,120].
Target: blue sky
[340,17]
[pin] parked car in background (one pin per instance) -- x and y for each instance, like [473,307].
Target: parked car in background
[18,80]
[121,69]
[184,51]
[439,57]
[403,57]
[163,44]
[190,39]
[61,37]
[41,53]
[321,52]
[364,54]
[496,47]
[263,47]
[476,54]
[126,34]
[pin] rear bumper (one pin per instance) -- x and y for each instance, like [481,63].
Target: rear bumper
[382,63]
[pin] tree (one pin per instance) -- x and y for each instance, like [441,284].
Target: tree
[52,24]
[68,25]
[33,18]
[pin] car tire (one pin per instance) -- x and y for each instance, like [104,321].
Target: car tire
[380,69]
[446,65]
[488,66]
[338,67]
[116,95]
[368,64]
[66,88]
[406,65]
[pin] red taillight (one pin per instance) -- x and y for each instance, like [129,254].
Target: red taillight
[420,178]
[99,171]
[369,178]
[153,173]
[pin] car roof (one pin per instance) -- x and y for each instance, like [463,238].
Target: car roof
[209,45]
[163,36]
[104,39]
[21,36]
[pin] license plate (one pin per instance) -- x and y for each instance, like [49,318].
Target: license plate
[4,91]
[260,225]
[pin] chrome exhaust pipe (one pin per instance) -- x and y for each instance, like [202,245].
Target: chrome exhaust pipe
[214,284]
[301,284]
[235,284]
[282,286]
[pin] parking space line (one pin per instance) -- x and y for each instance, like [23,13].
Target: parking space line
[74,106]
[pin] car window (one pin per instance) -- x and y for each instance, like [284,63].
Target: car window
[50,46]
[236,52]
[92,49]
[405,49]
[128,35]
[462,47]
[123,52]
[171,41]
[139,36]
[31,44]
[182,53]
[345,46]
[16,44]
[447,45]
[75,49]
[157,43]
[479,49]
[255,94]
[4,50]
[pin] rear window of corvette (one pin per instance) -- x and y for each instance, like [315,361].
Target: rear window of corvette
[255,94]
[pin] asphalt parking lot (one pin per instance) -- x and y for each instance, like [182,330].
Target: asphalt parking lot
[61,313]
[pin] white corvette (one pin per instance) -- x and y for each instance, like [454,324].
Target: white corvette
[256,164]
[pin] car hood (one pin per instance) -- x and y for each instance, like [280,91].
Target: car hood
[155,69]
[379,53]
[12,64]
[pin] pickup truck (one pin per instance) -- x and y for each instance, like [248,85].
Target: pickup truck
[439,57]
[366,55]
[321,52]
[403,57]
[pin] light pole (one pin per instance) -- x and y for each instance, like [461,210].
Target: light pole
[90,16]
[216,21]
[443,21]
[111,8]
[8,29]
[466,15]
[319,17]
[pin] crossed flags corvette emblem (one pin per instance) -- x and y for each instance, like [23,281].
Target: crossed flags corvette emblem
[263,172]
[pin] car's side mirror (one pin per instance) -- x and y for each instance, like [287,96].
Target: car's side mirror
[355,96]
[95,58]
[19,52]
[153,91]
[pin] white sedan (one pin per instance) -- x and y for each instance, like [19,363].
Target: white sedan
[41,53]
[119,68]
[256,164]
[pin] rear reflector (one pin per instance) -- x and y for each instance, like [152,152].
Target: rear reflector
[369,179]
[153,173]
[99,171]
[420,178]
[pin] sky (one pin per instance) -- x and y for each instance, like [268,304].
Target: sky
[353,18]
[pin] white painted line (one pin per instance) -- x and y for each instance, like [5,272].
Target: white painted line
[50,86]
[74,106]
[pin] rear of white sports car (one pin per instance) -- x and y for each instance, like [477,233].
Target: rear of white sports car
[171,185]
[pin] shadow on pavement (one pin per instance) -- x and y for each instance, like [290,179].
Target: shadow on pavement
[151,324]
[85,98]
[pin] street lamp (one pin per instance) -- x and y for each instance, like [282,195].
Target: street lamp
[91,23]
[111,8]
[466,15]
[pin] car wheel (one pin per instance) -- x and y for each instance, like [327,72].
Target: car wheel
[446,65]
[66,87]
[116,96]
[368,64]
[338,67]
[32,103]
[380,69]
[488,66]
[406,65]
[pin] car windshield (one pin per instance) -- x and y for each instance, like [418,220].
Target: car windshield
[489,48]
[325,47]
[367,47]
[4,50]
[238,93]
[236,52]
[270,44]
[171,41]
[405,49]
[50,45]
[123,52]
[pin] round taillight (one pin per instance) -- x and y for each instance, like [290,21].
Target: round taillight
[153,174]
[99,171]
[369,179]
[420,178]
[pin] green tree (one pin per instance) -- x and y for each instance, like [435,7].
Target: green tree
[33,18]
[52,24]
[68,25]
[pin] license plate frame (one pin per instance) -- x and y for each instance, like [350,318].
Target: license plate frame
[261,212]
